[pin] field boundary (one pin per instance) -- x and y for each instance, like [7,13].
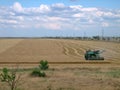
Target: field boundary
[89,62]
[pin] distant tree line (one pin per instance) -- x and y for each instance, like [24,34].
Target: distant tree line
[114,39]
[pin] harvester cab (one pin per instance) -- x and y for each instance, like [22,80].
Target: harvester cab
[94,55]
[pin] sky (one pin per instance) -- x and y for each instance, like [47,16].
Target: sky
[42,18]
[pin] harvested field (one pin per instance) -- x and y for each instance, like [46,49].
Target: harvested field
[7,43]
[54,50]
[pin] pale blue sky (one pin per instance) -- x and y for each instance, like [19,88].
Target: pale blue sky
[59,18]
[87,3]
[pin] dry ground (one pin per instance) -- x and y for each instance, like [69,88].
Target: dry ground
[63,77]
[71,77]
[34,50]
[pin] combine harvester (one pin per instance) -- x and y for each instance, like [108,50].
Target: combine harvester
[94,55]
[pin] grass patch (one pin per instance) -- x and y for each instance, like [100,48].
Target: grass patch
[87,71]
[113,73]
[21,69]
[65,88]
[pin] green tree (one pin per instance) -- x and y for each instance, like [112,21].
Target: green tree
[44,65]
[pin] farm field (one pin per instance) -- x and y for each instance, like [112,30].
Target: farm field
[105,76]
[54,50]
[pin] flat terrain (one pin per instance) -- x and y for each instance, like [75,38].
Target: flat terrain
[71,76]
[58,50]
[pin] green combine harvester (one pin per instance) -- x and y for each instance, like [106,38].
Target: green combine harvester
[93,55]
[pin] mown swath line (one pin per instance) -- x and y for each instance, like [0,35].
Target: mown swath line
[89,62]
[70,50]
[65,51]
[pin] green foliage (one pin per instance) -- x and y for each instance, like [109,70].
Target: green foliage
[9,77]
[44,65]
[4,75]
[37,72]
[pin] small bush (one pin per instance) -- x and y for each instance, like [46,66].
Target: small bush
[42,74]
[35,72]
[38,73]
[44,65]
[10,77]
